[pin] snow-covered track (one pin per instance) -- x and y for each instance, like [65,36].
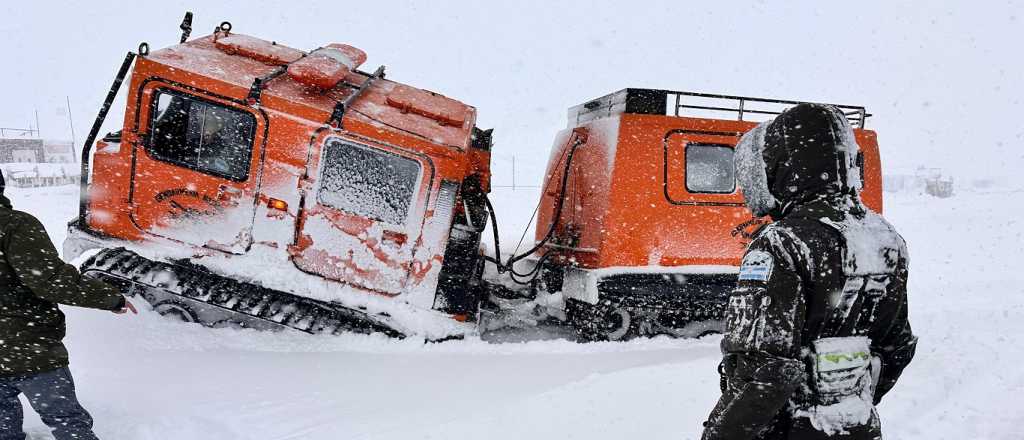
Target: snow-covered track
[195,294]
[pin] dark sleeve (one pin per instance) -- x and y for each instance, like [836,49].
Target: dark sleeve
[761,368]
[31,254]
[896,349]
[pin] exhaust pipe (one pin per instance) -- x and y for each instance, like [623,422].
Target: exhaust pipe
[83,197]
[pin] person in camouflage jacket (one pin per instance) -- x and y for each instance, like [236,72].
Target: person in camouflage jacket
[817,328]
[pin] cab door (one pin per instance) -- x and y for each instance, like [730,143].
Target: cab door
[196,169]
[363,213]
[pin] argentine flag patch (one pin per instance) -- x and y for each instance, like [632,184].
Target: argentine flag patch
[756,266]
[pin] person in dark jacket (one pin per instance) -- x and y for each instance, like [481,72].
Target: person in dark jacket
[33,360]
[816,329]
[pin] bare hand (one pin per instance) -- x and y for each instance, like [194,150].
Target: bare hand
[127,307]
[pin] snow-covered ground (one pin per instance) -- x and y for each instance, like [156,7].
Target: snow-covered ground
[145,377]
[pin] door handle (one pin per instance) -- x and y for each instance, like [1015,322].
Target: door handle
[394,237]
[228,194]
[225,189]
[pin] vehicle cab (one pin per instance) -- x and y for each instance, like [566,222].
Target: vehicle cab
[253,158]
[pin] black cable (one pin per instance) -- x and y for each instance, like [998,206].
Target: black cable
[558,207]
[528,223]
[533,274]
[494,229]
[535,269]
[509,266]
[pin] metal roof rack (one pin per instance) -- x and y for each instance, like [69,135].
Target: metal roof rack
[693,104]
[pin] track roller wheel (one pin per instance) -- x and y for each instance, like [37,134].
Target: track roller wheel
[615,325]
[602,322]
[175,310]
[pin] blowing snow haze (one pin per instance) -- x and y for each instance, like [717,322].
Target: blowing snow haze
[212,227]
[942,78]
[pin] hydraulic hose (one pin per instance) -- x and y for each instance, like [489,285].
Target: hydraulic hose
[558,206]
[509,266]
[494,229]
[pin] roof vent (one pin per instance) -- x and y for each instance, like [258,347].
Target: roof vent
[326,67]
[429,105]
[257,49]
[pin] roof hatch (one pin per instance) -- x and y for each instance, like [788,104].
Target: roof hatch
[429,105]
[325,67]
[257,49]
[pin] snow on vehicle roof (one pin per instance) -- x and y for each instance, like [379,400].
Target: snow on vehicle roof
[386,104]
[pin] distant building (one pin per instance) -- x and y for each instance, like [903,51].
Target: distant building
[930,181]
[31,175]
[59,151]
[28,163]
[31,150]
[22,151]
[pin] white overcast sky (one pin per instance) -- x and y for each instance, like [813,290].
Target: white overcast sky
[944,79]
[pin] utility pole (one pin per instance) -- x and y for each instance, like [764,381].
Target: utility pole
[38,133]
[513,172]
[71,123]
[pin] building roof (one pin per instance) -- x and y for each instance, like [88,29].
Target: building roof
[57,147]
[6,143]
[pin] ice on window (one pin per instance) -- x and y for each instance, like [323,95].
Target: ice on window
[367,182]
[709,169]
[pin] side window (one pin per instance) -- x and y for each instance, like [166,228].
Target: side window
[202,135]
[710,169]
[367,182]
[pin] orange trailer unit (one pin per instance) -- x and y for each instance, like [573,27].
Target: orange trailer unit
[649,232]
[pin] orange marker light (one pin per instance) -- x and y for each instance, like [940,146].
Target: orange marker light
[279,205]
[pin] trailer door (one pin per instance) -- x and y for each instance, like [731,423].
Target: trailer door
[363,214]
[196,170]
[700,180]
[699,170]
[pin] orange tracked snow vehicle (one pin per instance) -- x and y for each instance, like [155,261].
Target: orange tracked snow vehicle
[259,185]
[647,233]
[256,183]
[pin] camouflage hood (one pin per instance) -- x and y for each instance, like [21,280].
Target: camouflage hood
[807,152]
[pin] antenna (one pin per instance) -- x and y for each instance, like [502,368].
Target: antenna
[71,123]
[186,26]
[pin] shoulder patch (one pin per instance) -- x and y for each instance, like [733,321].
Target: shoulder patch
[757,266]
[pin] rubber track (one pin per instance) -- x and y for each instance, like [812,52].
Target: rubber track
[587,318]
[254,302]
